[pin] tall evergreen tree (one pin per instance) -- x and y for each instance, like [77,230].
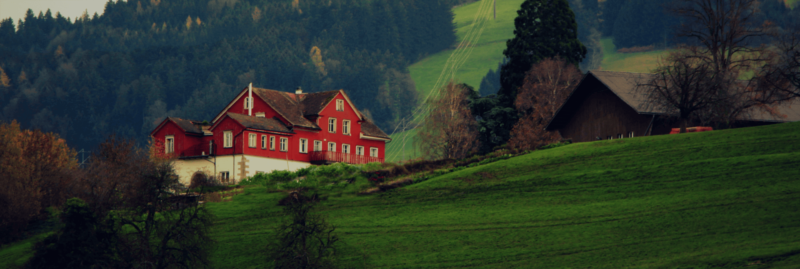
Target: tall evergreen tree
[543,29]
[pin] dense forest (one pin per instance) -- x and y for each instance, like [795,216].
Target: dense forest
[125,70]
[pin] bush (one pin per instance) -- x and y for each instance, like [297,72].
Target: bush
[203,183]
[83,242]
[305,239]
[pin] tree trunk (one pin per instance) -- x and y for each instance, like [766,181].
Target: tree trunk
[684,122]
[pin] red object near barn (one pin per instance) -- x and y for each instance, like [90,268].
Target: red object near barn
[692,129]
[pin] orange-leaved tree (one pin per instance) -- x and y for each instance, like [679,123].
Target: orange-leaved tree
[36,169]
[545,88]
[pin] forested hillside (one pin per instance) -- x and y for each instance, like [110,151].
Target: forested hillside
[126,69]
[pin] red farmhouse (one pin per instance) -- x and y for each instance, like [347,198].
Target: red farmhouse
[263,130]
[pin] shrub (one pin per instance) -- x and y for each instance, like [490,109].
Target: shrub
[203,183]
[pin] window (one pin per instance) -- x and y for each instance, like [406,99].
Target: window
[620,136]
[303,145]
[610,137]
[373,152]
[169,143]
[228,138]
[252,141]
[248,103]
[211,147]
[263,142]
[346,127]
[271,143]
[332,125]
[340,105]
[360,150]
[284,144]
[331,147]
[224,176]
[346,148]
[630,134]
[317,145]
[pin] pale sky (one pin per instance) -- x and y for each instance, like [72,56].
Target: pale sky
[69,8]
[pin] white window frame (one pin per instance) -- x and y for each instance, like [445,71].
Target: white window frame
[346,148]
[211,147]
[317,145]
[360,150]
[373,152]
[263,141]
[272,142]
[620,136]
[228,139]
[346,127]
[284,144]
[248,103]
[169,144]
[630,134]
[332,146]
[303,145]
[251,141]
[332,125]
[339,105]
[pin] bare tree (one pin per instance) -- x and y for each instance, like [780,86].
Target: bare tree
[449,130]
[702,79]
[683,86]
[723,32]
[545,88]
[785,70]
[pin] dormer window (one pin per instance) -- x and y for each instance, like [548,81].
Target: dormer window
[340,105]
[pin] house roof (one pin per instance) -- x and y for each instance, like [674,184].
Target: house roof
[267,124]
[313,103]
[287,105]
[370,129]
[623,85]
[188,126]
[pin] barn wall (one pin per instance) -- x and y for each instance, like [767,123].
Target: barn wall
[603,114]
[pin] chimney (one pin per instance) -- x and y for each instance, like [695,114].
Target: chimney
[298,91]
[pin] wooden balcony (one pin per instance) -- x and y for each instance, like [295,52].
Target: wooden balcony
[328,157]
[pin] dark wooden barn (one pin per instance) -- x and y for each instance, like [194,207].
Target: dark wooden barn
[605,105]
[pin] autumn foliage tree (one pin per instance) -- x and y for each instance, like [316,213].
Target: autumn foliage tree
[546,86]
[36,169]
[449,131]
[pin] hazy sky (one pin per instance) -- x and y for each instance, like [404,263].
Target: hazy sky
[68,8]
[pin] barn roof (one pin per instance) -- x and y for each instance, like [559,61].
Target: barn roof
[623,85]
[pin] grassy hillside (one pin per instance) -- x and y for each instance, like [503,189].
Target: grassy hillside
[487,53]
[639,62]
[726,198]
[717,199]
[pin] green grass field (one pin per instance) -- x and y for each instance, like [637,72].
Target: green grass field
[717,199]
[721,199]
